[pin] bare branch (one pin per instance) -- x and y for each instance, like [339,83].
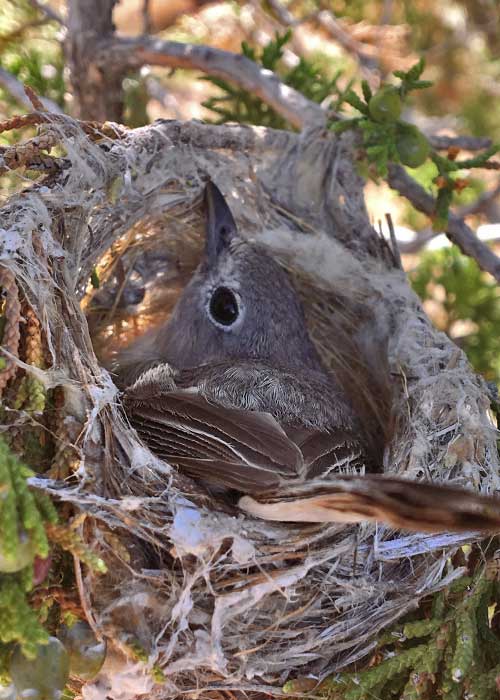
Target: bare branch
[363,53]
[16,89]
[457,230]
[480,205]
[238,69]
[48,11]
[466,143]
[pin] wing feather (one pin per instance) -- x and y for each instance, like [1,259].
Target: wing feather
[238,449]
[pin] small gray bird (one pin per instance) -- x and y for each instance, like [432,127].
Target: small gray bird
[235,395]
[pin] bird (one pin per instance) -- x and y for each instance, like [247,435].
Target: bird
[233,393]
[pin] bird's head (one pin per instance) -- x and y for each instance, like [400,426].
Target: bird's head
[240,304]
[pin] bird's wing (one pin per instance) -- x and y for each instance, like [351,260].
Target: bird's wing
[409,505]
[243,450]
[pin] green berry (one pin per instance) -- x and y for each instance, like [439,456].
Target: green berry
[22,555]
[86,653]
[385,105]
[44,676]
[412,146]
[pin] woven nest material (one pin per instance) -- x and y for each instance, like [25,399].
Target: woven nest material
[217,601]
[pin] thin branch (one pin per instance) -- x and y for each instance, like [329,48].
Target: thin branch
[283,14]
[146,16]
[49,13]
[480,204]
[238,69]
[466,143]
[16,89]
[365,54]
[394,243]
[427,234]
[457,230]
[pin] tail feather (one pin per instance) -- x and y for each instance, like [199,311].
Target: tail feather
[407,505]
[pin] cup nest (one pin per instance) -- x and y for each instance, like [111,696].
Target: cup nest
[212,600]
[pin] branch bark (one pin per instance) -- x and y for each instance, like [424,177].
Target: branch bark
[457,230]
[97,88]
[116,52]
[112,56]
[467,143]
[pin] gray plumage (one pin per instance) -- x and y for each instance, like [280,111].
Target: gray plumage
[236,395]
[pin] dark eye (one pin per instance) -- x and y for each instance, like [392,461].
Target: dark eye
[223,306]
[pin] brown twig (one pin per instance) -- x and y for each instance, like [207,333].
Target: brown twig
[35,101]
[236,68]
[93,129]
[49,12]
[457,230]
[394,242]
[18,92]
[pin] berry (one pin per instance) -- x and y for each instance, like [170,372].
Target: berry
[41,678]
[411,145]
[385,105]
[86,653]
[22,556]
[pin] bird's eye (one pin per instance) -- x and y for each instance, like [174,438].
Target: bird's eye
[223,306]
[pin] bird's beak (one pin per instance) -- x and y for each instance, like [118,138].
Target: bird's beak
[220,227]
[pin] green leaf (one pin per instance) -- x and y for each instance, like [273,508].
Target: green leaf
[355,101]
[367,92]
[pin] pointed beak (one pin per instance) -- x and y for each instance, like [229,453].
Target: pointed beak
[221,227]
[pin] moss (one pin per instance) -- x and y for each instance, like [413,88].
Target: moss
[453,654]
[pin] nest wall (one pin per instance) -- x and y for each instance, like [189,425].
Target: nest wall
[213,600]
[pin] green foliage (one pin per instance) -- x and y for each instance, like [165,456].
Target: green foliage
[22,513]
[452,653]
[386,139]
[237,105]
[21,510]
[32,67]
[31,51]
[469,297]
[135,98]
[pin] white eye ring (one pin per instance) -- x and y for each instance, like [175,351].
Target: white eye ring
[224,307]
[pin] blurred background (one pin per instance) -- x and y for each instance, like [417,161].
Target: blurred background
[320,47]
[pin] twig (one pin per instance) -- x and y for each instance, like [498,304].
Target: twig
[361,52]
[427,234]
[238,69]
[95,130]
[466,143]
[17,90]
[283,13]
[481,202]
[49,13]
[146,16]
[325,19]
[457,230]
[394,243]
[34,99]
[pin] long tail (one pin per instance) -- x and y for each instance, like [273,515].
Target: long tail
[403,504]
